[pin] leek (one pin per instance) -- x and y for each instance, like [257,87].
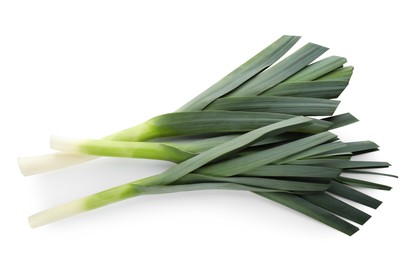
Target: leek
[247,132]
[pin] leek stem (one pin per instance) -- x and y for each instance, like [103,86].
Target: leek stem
[145,150]
[124,192]
[51,162]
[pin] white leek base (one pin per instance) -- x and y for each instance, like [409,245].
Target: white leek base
[50,162]
[65,144]
[63,211]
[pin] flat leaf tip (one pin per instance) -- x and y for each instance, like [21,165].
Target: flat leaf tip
[318,45]
[292,36]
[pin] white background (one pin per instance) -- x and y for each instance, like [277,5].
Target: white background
[90,68]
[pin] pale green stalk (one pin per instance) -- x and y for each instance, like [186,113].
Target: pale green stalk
[144,150]
[123,192]
[170,125]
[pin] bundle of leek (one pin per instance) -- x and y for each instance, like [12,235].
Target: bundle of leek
[250,131]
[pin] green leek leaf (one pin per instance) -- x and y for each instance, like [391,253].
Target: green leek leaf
[280,71]
[337,207]
[289,105]
[272,155]
[312,89]
[341,120]
[317,69]
[342,164]
[249,69]
[303,206]
[274,184]
[369,172]
[346,192]
[362,183]
[344,74]
[294,171]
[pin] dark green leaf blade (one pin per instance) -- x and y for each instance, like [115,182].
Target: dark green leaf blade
[337,207]
[344,74]
[349,193]
[342,164]
[294,171]
[362,183]
[280,71]
[295,202]
[341,120]
[312,152]
[200,145]
[318,69]
[313,89]
[272,104]
[267,183]
[250,68]
[251,161]
[369,172]
[146,190]
[357,147]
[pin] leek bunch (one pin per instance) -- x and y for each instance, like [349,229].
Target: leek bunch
[254,130]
